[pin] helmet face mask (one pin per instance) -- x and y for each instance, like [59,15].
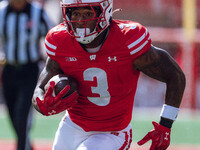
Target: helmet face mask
[102,10]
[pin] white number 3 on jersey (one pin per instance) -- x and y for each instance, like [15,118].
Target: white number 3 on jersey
[102,86]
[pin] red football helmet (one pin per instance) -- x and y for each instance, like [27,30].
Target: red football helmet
[84,35]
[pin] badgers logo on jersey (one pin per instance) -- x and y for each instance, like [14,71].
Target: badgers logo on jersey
[92,57]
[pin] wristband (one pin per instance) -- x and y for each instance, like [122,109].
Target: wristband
[169,112]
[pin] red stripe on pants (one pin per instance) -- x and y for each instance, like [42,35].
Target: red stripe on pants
[125,142]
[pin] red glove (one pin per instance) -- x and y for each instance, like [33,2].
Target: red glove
[54,105]
[160,137]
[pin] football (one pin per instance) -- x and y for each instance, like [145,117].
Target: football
[61,80]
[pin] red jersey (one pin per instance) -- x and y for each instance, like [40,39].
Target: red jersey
[107,80]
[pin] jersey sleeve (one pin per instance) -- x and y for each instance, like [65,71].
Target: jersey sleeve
[138,40]
[51,45]
[54,40]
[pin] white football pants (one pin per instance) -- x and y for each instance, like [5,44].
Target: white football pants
[70,136]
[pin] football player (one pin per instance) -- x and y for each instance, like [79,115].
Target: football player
[105,57]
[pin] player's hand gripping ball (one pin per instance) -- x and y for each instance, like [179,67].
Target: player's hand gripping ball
[61,81]
[61,93]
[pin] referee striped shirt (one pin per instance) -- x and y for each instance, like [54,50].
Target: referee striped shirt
[20,32]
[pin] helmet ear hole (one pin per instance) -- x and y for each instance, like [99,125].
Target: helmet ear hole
[110,10]
[110,20]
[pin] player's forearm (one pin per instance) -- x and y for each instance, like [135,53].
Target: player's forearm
[173,76]
[175,89]
[173,98]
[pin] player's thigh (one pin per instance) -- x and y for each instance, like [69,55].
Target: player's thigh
[68,136]
[63,137]
[98,142]
[108,141]
[71,137]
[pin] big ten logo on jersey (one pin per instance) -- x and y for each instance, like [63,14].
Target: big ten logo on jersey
[70,59]
[131,26]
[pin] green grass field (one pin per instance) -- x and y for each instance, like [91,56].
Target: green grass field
[185,130]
